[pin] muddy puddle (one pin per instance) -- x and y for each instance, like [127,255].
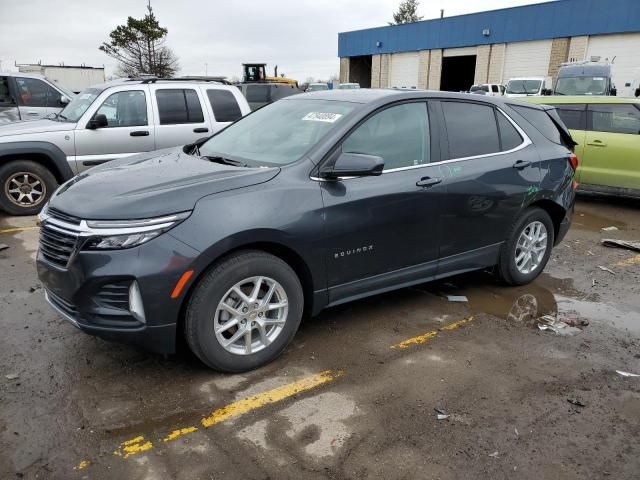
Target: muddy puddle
[586,220]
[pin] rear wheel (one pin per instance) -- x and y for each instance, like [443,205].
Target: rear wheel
[244,312]
[25,186]
[527,249]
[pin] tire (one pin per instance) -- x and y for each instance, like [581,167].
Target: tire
[204,311]
[508,270]
[29,201]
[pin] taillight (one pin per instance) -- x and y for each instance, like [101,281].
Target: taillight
[573,161]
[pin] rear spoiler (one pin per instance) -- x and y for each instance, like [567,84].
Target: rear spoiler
[564,131]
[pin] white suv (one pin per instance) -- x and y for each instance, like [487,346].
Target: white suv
[105,122]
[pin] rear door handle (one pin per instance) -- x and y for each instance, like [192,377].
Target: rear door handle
[520,164]
[428,182]
[139,133]
[33,113]
[597,143]
[200,130]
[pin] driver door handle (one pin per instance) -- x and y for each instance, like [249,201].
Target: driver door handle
[428,182]
[200,130]
[520,164]
[597,143]
[140,133]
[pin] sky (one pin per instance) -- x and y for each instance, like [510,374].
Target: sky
[212,37]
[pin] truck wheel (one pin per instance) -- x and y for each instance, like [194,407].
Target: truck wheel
[244,312]
[25,186]
[527,249]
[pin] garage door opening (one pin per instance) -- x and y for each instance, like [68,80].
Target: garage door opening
[360,70]
[458,73]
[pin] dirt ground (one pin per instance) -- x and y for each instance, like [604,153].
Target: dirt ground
[348,399]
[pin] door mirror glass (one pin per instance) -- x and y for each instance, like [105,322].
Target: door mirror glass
[64,100]
[98,121]
[354,165]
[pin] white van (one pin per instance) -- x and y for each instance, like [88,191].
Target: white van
[528,86]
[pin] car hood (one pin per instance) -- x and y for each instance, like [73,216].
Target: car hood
[34,126]
[151,184]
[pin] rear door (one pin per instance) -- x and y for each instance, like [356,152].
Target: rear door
[223,107]
[612,146]
[490,170]
[9,111]
[129,131]
[179,115]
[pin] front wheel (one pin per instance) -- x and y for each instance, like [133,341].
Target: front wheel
[244,312]
[25,186]
[527,249]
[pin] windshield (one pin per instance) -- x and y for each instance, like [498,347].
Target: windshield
[277,134]
[524,87]
[581,86]
[78,105]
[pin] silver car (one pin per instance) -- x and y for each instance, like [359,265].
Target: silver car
[25,96]
[105,122]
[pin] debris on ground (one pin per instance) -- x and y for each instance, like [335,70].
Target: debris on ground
[441,413]
[457,298]
[606,269]
[494,454]
[12,376]
[3,246]
[577,402]
[627,374]
[560,327]
[612,242]
[609,229]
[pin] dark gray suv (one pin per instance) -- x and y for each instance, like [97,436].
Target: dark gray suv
[310,202]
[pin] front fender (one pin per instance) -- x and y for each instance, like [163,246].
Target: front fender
[50,150]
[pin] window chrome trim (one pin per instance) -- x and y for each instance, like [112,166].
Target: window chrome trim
[526,141]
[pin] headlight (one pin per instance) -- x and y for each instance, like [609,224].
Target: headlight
[119,234]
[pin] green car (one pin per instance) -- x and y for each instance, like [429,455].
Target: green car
[607,130]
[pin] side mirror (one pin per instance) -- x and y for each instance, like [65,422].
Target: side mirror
[637,92]
[353,165]
[98,121]
[64,100]
[614,91]
[546,91]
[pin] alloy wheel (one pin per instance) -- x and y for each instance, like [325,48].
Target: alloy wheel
[25,189]
[531,247]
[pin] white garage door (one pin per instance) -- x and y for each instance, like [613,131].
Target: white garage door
[626,50]
[459,52]
[527,59]
[404,70]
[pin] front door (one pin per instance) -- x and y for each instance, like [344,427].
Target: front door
[129,130]
[384,230]
[490,171]
[612,143]
[34,96]
[8,105]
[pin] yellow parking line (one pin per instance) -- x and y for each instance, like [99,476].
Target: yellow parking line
[628,262]
[178,433]
[17,229]
[429,335]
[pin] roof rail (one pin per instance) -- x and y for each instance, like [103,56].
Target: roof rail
[150,79]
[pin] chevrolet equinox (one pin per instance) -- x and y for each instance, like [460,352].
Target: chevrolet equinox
[312,201]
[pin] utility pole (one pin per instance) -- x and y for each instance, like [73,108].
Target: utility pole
[206,66]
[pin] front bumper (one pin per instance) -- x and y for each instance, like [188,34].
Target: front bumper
[92,291]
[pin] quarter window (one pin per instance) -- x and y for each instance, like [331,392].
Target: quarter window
[471,129]
[224,105]
[35,93]
[177,105]
[509,136]
[615,118]
[400,135]
[573,115]
[125,109]
[541,120]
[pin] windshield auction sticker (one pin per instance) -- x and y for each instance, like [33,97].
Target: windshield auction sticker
[322,117]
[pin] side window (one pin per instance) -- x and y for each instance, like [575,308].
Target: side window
[574,116]
[400,135]
[177,105]
[33,92]
[540,120]
[494,89]
[257,93]
[224,104]
[6,100]
[509,136]
[471,129]
[125,109]
[615,118]
[502,89]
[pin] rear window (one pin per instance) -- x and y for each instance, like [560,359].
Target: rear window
[224,105]
[471,129]
[573,115]
[542,122]
[257,93]
[177,106]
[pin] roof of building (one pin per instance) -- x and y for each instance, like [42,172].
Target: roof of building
[554,19]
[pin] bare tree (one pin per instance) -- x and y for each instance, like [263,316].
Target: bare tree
[139,47]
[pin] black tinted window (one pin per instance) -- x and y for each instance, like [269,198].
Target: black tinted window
[540,120]
[257,93]
[509,136]
[400,135]
[5,97]
[471,129]
[224,105]
[179,106]
[573,115]
[615,118]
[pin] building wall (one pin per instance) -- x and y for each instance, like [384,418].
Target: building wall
[344,70]
[435,69]
[423,68]
[559,55]
[578,48]
[496,63]
[483,57]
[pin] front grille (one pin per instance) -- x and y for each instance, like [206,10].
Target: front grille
[57,244]
[55,213]
[66,307]
[114,295]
